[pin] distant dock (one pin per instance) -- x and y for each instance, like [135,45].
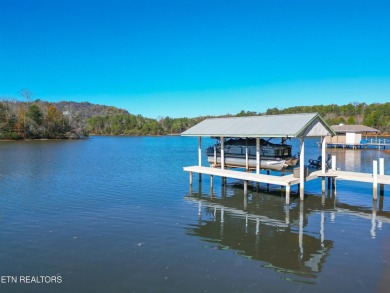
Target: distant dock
[379,143]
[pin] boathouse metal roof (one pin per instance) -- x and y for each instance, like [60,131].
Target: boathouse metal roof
[288,125]
[353,129]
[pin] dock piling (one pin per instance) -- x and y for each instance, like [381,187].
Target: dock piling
[334,185]
[381,172]
[302,168]
[375,179]
[267,183]
[323,185]
[333,162]
[199,150]
[288,188]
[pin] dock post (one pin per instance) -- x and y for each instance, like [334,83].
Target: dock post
[323,184]
[245,201]
[257,155]
[288,188]
[200,151]
[381,203]
[245,187]
[375,179]
[287,210]
[222,152]
[215,156]
[302,169]
[223,189]
[333,163]
[300,237]
[334,185]
[200,177]
[323,155]
[211,183]
[190,178]
[246,155]
[267,183]
[381,172]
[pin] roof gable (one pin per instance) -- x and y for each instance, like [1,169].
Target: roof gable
[289,125]
[353,128]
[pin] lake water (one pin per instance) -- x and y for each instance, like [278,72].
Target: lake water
[116,214]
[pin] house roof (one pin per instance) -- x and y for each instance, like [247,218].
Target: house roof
[288,125]
[353,129]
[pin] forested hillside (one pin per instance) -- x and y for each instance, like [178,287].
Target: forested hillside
[39,119]
[373,115]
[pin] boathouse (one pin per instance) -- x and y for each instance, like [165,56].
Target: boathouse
[349,135]
[297,126]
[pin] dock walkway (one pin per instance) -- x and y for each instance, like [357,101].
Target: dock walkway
[355,176]
[289,180]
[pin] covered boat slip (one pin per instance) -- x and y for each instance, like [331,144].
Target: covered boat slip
[268,126]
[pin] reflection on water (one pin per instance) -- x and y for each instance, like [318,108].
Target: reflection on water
[261,227]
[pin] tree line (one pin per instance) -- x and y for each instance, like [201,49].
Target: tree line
[374,115]
[37,120]
[138,125]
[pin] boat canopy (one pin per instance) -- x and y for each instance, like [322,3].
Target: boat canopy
[288,125]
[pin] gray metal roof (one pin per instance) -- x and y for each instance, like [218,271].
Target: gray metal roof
[289,125]
[353,129]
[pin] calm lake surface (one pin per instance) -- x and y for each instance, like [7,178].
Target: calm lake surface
[116,214]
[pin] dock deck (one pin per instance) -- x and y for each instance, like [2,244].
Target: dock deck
[355,176]
[247,176]
[289,180]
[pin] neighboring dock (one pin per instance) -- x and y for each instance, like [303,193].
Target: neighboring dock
[379,143]
[351,136]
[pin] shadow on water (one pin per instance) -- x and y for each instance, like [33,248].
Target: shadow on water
[259,226]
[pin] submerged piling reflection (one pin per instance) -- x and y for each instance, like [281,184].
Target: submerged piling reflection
[291,239]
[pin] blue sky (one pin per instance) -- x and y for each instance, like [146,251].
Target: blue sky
[196,57]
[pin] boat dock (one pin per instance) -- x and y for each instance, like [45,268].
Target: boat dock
[287,181]
[371,143]
[284,126]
